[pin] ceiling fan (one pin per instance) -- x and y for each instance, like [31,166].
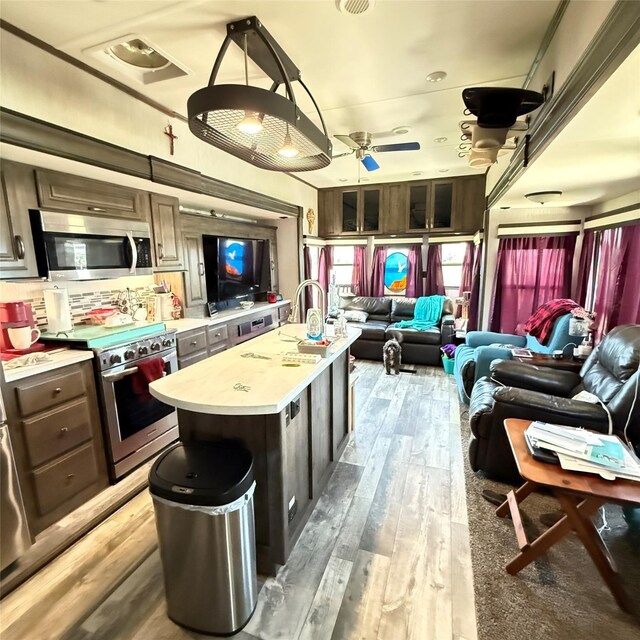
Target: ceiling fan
[360,143]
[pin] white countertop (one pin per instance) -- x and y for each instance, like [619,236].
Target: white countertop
[186,324]
[208,386]
[58,359]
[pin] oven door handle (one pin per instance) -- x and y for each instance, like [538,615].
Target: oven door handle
[134,253]
[114,377]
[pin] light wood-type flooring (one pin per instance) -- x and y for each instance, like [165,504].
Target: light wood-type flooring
[384,555]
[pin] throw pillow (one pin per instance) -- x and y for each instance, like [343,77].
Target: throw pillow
[356,316]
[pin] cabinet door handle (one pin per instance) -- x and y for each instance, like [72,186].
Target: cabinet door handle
[97,209]
[71,476]
[58,390]
[160,251]
[64,429]
[201,268]
[19,247]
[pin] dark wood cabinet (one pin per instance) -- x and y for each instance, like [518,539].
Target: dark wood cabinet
[17,196]
[69,193]
[470,203]
[350,211]
[59,449]
[167,236]
[195,284]
[442,208]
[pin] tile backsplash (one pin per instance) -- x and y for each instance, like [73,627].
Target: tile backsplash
[83,296]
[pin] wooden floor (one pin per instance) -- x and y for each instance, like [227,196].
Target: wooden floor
[384,555]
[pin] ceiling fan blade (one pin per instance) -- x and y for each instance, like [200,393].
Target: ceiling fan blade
[348,141]
[399,146]
[369,163]
[342,155]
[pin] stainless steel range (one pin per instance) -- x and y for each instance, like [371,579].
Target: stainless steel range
[136,424]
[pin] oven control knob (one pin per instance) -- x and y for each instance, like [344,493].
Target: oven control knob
[155,346]
[115,359]
[166,342]
[143,350]
[129,353]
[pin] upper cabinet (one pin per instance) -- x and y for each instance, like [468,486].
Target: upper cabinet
[435,206]
[71,194]
[167,237]
[17,196]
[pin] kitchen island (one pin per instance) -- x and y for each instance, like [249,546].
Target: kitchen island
[293,417]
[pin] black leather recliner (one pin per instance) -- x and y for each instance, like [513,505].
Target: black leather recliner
[517,390]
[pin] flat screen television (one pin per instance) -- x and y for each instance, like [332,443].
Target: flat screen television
[235,267]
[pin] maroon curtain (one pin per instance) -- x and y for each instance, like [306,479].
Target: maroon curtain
[587,257]
[467,274]
[529,272]
[617,299]
[377,271]
[434,283]
[414,271]
[474,302]
[308,296]
[325,264]
[359,283]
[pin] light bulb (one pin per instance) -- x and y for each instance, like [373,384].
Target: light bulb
[251,123]
[288,150]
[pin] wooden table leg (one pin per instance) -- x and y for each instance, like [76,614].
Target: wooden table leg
[545,541]
[590,537]
[520,494]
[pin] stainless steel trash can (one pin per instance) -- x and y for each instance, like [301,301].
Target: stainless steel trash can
[203,500]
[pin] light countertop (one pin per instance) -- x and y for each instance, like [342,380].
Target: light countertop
[208,386]
[58,359]
[186,324]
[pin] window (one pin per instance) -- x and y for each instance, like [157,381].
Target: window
[342,264]
[452,259]
[395,272]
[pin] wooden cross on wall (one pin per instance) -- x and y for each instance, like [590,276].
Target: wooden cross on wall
[168,131]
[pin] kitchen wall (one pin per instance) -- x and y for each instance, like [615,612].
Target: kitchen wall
[83,296]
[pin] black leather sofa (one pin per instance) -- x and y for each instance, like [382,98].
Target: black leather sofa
[418,347]
[540,393]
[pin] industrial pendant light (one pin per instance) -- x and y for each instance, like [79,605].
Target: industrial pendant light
[258,125]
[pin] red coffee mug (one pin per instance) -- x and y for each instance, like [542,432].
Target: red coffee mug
[272,296]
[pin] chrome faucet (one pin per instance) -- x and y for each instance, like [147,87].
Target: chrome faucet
[296,298]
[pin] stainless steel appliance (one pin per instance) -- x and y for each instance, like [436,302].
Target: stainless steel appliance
[137,425]
[14,532]
[78,247]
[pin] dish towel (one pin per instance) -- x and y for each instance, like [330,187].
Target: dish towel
[426,315]
[148,371]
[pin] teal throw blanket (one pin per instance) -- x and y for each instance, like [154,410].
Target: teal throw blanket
[426,315]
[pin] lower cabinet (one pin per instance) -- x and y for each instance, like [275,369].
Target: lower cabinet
[55,429]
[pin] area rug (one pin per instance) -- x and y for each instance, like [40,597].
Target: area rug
[561,596]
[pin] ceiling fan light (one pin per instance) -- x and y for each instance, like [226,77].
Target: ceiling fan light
[542,197]
[251,124]
[287,150]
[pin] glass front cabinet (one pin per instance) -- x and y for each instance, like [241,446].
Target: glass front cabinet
[430,206]
[360,210]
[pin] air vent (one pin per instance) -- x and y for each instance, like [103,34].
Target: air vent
[355,7]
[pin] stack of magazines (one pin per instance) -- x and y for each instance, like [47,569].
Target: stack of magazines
[586,451]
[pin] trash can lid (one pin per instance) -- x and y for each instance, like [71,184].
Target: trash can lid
[202,473]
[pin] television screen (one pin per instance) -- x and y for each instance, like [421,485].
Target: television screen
[235,267]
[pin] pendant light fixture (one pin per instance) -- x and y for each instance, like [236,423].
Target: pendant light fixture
[258,125]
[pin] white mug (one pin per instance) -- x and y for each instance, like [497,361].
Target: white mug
[22,337]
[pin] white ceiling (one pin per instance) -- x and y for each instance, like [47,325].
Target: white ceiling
[366,72]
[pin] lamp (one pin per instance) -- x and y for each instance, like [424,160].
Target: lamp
[258,125]
[543,196]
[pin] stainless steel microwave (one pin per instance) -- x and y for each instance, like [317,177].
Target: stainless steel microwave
[71,246]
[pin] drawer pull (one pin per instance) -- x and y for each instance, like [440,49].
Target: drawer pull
[58,390]
[19,247]
[218,335]
[193,343]
[71,476]
[64,429]
[160,251]
[98,209]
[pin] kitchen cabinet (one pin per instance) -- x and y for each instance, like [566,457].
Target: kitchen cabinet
[17,196]
[69,193]
[199,344]
[195,284]
[59,449]
[470,203]
[167,237]
[429,205]
[351,211]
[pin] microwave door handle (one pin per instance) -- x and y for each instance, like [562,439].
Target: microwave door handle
[114,377]
[134,253]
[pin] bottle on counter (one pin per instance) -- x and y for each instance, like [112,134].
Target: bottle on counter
[314,324]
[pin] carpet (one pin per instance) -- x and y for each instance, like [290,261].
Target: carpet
[561,596]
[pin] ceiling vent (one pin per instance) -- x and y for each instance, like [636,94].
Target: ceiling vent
[137,57]
[355,7]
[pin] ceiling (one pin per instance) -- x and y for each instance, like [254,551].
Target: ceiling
[366,72]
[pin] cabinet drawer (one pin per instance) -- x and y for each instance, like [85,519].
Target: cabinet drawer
[50,393]
[217,334]
[191,342]
[192,359]
[57,432]
[217,348]
[62,479]
[75,193]
[283,312]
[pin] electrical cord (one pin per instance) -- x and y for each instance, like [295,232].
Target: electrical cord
[633,405]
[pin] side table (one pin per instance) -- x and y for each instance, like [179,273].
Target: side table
[580,495]
[544,360]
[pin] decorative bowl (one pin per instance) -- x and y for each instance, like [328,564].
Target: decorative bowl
[246,304]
